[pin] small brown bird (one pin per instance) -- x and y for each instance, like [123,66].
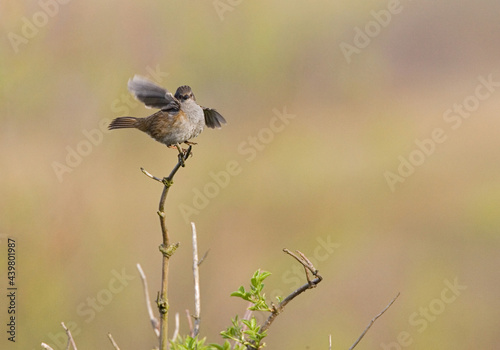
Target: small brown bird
[179,119]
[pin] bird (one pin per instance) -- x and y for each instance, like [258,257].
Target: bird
[179,118]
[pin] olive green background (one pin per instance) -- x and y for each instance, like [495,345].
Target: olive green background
[81,212]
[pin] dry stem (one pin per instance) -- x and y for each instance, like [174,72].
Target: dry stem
[373,321]
[196,277]
[154,321]
[166,248]
[113,342]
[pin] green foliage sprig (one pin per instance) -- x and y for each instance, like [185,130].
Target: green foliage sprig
[255,295]
[246,333]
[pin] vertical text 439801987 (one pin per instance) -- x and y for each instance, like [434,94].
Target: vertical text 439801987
[11,289]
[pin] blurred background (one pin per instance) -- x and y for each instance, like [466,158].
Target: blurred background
[364,134]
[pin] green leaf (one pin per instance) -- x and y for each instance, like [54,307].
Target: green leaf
[189,343]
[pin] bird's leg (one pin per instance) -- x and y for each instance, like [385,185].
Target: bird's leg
[190,144]
[181,154]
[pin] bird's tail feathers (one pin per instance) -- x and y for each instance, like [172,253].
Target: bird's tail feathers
[123,123]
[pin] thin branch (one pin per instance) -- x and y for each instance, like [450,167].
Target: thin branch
[303,260]
[372,322]
[71,341]
[308,278]
[166,248]
[203,257]
[181,163]
[45,346]
[176,330]
[154,321]
[167,182]
[148,174]
[190,322]
[113,341]
[310,284]
[196,277]
[329,342]
[277,310]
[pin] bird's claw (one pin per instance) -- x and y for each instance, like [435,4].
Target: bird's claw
[181,159]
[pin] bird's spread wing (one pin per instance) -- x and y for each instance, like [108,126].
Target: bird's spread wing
[213,119]
[152,95]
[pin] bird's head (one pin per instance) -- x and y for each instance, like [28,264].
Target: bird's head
[184,93]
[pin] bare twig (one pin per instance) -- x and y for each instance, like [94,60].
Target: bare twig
[45,346]
[329,342]
[307,262]
[190,322]
[372,322]
[276,310]
[304,261]
[113,342]
[148,174]
[196,277]
[154,321]
[203,257]
[166,248]
[176,330]
[71,341]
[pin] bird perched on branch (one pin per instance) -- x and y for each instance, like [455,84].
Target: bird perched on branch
[179,119]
